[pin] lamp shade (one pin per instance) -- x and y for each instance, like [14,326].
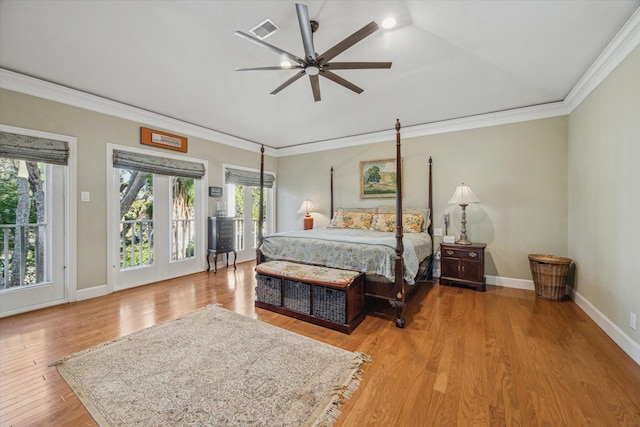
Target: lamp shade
[463,196]
[306,207]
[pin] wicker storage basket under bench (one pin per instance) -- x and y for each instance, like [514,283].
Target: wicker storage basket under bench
[328,297]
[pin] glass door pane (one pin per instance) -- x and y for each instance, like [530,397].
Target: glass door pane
[182,218]
[136,219]
[24,254]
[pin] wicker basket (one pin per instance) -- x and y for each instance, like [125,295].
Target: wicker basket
[330,304]
[549,275]
[269,290]
[297,296]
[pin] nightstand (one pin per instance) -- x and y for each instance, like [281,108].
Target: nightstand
[463,265]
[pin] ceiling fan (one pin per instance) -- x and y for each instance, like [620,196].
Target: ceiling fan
[314,65]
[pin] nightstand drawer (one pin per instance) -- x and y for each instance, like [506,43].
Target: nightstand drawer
[455,253]
[226,227]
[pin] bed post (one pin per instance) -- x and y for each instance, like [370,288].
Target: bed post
[331,211]
[259,257]
[430,228]
[398,302]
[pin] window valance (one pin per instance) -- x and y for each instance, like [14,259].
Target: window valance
[247,178]
[155,164]
[24,147]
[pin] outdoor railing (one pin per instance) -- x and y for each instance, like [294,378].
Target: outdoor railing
[239,230]
[22,256]
[183,239]
[136,243]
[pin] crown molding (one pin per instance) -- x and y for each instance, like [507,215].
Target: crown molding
[515,115]
[625,41]
[53,92]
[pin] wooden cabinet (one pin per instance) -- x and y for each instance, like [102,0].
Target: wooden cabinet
[222,240]
[463,265]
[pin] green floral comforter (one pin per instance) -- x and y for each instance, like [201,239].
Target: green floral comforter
[371,252]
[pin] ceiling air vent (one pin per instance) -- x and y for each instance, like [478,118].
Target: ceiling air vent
[264,29]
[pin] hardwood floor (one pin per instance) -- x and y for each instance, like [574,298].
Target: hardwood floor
[466,358]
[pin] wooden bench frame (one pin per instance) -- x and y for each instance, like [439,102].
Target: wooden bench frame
[354,304]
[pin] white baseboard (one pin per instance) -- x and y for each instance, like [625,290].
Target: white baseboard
[625,342]
[508,282]
[618,336]
[96,291]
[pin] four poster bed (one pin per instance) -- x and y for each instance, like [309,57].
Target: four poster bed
[362,239]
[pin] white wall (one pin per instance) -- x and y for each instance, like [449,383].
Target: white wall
[519,172]
[604,197]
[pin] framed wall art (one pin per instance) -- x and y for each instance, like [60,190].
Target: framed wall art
[163,140]
[378,179]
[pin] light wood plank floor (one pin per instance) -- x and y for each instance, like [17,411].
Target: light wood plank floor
[466,358]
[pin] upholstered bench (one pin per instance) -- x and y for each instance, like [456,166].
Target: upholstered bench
[328,297]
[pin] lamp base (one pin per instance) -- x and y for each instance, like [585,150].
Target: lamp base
[463,242]
[308,222]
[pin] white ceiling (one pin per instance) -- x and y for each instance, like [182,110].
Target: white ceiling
[451,59]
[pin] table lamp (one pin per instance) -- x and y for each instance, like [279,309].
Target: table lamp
[463,196]
[306,208]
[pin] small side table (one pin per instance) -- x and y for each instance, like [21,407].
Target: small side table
[463,265]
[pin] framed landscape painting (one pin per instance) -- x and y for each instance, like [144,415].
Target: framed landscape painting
[378,179]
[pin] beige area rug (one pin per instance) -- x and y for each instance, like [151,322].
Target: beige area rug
[213,367]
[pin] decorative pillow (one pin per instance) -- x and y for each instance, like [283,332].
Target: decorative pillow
[424,212]
[336,221]
[351,219]
[411,223]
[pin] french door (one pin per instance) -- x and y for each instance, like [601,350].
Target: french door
[156,227]
[34,233]
[243,205]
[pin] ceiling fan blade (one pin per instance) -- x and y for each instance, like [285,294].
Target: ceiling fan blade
[356,65]
[345,44]
[269,46]
[315,87]
[337,79]
[288,82]
[305,31]
[276,67]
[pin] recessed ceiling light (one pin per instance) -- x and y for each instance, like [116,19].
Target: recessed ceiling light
[388,23]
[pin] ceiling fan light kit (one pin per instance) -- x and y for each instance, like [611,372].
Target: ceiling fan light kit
[314,65]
